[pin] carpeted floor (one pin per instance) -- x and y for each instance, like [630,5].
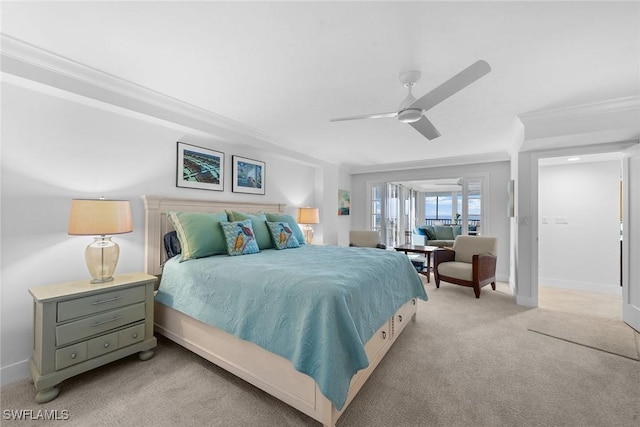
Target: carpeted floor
[615,337]
[463,362]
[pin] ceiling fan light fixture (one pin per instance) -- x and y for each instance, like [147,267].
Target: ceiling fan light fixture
[411,109]
[410,115]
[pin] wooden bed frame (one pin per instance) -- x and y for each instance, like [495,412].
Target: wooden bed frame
[265,370]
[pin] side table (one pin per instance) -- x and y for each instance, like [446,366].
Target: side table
[418,249]
[79,326]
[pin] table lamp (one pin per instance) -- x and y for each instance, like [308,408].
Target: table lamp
[307,216]
[100,217]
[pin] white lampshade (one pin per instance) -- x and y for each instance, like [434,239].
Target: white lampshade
[99,218]
[308,216]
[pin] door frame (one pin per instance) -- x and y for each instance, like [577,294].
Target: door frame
[630,308]
[526,283]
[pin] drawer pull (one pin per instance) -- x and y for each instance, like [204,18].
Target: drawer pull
[74,355]
[400,317]
[384,335]
[106,345]
[107,300]
[106,321]
[135,335]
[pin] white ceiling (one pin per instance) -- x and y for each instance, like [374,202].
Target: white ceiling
[286,68]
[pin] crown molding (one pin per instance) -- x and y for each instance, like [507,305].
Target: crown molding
[629,103]
[501,156]
[42,67]
[605,121]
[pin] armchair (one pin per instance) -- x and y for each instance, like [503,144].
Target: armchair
[365,239]
[471,262]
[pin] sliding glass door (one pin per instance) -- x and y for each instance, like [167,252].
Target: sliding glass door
[473,217]
[399,207]
[393,212]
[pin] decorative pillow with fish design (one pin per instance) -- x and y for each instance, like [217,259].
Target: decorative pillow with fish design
[240,237]
[282,235]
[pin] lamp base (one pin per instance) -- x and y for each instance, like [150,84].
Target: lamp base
[101,280]
[307,230]
[102,257]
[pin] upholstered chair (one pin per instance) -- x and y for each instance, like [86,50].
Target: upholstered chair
[365,239]
[471,262]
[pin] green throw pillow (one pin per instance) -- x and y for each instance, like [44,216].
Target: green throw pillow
[282,235]
[239,237]
[429,232]
[443,232]
[259,224]
[199,233]
[292,223]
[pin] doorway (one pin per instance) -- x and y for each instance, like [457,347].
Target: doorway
[579,217]
[397,208]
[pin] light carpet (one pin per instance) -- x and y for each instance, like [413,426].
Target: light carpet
[611,336]
[463,362]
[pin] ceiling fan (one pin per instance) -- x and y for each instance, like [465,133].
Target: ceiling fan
[412,110]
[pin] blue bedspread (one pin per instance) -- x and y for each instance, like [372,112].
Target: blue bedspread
[316,306]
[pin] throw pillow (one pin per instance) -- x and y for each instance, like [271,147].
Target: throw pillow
[199,233]
[292,223]
[259,224]
[443,232]
[282,235]
[239,237]
[430,232]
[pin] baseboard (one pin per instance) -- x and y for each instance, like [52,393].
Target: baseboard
[609,289]
[503,278]
[15,372]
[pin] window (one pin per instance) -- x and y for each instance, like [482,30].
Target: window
[393,214]
[474,206]
[393,211]
[438,208]
[376,207]
[448,206]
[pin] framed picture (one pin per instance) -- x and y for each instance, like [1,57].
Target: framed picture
[248,175]
[344,202]
[199,168]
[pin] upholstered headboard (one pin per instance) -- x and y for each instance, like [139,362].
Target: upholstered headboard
[157,223]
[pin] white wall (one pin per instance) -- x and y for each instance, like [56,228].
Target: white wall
[579,226]
[497,175]
[54,150]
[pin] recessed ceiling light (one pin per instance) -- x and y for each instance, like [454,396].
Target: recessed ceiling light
[573,159]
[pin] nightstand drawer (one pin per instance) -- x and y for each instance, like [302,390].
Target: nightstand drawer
[97,324]
[131,335]
[79,307]
[71,355]
[101,345]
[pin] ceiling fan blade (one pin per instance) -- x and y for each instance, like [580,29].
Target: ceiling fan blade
[453,85]
[366,116]
[426,128]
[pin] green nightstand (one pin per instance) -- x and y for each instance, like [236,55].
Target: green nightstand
[79,326]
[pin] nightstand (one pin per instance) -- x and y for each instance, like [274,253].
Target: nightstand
[79,326]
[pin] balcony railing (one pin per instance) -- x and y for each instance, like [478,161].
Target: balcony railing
[441,221]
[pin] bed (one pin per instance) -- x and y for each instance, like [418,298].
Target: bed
[290,322]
